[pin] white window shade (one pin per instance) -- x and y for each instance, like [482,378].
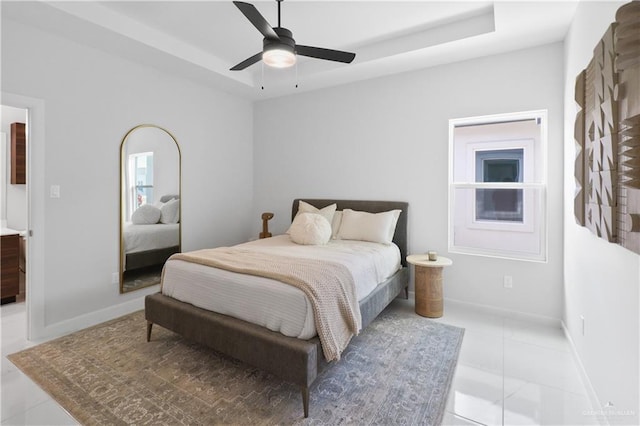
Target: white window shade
[497,198]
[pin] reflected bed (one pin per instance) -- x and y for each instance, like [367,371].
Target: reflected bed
[148,245]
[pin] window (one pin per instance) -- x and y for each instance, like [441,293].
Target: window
[497,185]
[501,165]
[141,186]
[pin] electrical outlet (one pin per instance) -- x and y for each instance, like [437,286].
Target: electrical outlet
[508,281]
[582,323]
[115,278]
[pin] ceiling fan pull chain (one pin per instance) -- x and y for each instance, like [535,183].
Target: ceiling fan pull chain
[296,74]
[262,85]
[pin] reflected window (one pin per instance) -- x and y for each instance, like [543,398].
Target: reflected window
[141,168]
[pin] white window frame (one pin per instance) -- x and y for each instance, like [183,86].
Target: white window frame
[495,151]
[534,187]
[527,146]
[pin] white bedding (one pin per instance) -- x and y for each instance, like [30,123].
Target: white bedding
[148,237]
[270,303]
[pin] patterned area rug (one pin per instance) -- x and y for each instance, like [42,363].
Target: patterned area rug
[397,371]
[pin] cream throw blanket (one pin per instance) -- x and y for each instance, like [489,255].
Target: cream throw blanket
[328,285]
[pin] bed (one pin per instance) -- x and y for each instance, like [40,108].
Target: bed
[293,359]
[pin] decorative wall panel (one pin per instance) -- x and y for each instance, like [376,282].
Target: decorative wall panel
[600,139]
[607,134]
[578,134]
[627,62]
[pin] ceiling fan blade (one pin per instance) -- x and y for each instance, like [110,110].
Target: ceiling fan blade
[257,19]
[327,54]
[247,62]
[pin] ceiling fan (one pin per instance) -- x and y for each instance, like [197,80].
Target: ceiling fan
[279,48]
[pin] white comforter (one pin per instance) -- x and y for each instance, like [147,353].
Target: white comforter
[148,237]
[269,303]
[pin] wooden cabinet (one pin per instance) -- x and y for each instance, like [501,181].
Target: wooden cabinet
[9,268]
[18,154]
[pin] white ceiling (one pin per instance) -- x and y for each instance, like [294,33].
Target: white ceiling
[201,40]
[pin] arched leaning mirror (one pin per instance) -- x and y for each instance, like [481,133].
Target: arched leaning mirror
[150,205]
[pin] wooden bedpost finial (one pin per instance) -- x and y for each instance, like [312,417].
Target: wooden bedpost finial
[266,216]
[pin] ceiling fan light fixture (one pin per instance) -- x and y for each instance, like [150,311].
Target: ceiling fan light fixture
[279,49]
[279,57]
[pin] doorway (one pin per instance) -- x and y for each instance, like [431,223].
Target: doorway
[13,202]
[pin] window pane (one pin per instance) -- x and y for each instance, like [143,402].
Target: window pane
[143,172]
[499,205]
[501,171]
[500,165]
[513,232]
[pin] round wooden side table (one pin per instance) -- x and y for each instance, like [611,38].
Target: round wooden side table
[428,284]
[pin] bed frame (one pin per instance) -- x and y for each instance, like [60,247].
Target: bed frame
[294,360]
[143,259]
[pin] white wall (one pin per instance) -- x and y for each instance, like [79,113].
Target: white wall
[14,197]
[91,99]
[388,139]
[601,279]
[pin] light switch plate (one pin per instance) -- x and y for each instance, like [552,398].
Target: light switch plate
[54,191]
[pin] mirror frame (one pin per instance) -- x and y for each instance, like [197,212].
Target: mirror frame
[122,206]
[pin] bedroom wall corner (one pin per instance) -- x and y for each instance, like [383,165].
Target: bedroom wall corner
[601,279]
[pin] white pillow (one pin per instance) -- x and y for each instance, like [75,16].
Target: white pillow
[335,224]
[146,214]
[170,211]
[326,212]
[364,226]
[310,229]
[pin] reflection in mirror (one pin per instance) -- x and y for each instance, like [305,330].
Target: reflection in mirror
[150,222]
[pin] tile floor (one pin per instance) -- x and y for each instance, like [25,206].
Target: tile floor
[510,372]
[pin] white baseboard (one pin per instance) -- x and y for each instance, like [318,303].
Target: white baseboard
[591,393]
[524,316]
[88,320]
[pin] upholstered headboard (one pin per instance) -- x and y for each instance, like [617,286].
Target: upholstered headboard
[399,238]
[166,198]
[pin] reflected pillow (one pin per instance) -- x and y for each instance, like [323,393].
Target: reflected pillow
[364,226]
[310,229]
[146,214]
[170,211]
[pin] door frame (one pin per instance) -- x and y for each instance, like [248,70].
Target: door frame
[36,201]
